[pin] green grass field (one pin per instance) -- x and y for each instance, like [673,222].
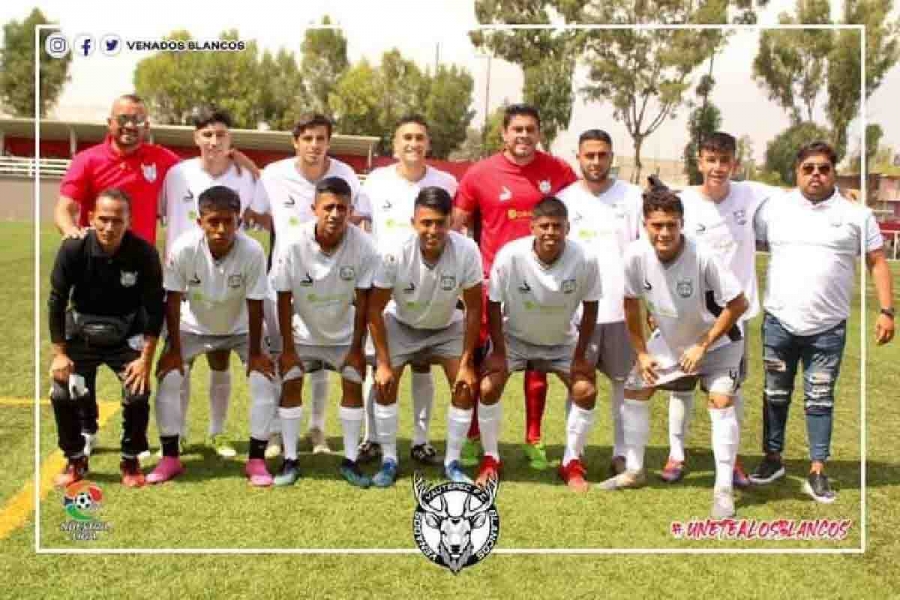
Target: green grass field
[211,506]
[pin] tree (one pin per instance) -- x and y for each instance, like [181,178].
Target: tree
[283,95]
[17,68]
[781,151]
[704,120]
[324,61]
[447,108]
[355,100]
[746,162]
[482,141]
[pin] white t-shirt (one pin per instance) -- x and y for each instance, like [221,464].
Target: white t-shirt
[182,188]
[605,225]
[540,300]
[392,197]
[677,294]
[216,291]
[324,285]
[726,228]
[814,248]
[425,295]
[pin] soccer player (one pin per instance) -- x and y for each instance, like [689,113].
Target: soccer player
[392,191]
[815,237]
[114,281]
[605,216]
[286,193]
[495,198]
[426,275]
[536,286]
[322,276]
[695,302]
[215,279]
[183,185]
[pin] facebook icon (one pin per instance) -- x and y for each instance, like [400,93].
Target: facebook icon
[84,44]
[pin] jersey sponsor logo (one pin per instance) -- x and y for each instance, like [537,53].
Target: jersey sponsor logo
[149,172]
[505,194]
[307,280]
[128,278]
[235,281]
[189,197]
[513,214]
[347,273]
[195,280]
[685,287]
[411,288]
[524,288]
[545,186]
[568,286]
[740,217]
[448,282]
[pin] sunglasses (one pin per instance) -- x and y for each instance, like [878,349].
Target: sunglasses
[810,168]
[137,120]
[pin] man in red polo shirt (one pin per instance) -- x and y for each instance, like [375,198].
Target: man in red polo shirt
[496,197]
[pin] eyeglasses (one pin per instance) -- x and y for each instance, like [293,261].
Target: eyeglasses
[810,168]
[137,120]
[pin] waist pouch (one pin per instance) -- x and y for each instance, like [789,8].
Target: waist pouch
[102,330]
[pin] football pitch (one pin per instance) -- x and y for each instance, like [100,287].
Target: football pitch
[212,507]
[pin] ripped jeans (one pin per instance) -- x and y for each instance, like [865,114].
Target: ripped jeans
[821,355]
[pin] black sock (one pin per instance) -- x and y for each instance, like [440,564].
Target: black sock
[257,448]
[169,445]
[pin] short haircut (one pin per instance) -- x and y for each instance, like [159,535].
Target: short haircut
[336,186]
[207,115]
[116,194]
[131,98]
[219,197]
[412,118]
[309,120]
[594,135]
[435,198]
[719,141]
[515,110]
[817,147]
[662,199]
[550,206]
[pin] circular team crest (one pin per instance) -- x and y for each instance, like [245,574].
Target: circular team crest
[456,525]
[82,499]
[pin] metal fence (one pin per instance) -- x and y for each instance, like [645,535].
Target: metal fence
[25,167]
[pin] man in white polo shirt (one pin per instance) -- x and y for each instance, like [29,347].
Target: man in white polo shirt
[426,276]
[815,237]
[605,216]
[537,284]
[215,279]
[286,192]
[322,275]
[695,302]
[392,191]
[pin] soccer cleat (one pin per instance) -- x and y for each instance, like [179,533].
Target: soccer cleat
[257,473]
[387,475]
[317,441]
[767,471]
[425,454]
[723,503]
[350,472]
[273,447]
[76,469]
[616,465]
[739,478]
[367,452]
[454,473]
[817,486]
[90,441]
[489,469]
[222,445]
[573,474]
[626,480]
[673,472]
[132,476]
[537,456]
[168,468]
[471,452]
[288,474]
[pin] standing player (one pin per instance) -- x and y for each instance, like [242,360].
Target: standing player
[392,191]
[426,275]
[605,216]
[496,198]
[685,288]
[219,275]
[184,183]
[286,193]
[322,276]
[536,286]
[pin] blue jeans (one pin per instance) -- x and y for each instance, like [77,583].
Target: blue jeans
[821,357]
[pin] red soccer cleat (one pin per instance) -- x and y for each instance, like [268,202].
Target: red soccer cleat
[489,469]
[573,474]
[132,476]
[76,469]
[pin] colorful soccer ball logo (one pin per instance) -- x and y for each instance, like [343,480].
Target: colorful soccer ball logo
[82,498]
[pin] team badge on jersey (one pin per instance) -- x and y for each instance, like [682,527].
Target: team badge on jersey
[685,287]
[568,286]
[545,186]
[149,172]
[347,273]
[235,281]
[448,282]
[740,217]
[128,278]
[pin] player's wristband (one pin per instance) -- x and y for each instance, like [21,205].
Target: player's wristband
[888,312]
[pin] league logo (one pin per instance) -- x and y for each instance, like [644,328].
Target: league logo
[456,525]
[448,282]
[128,278]
[347,273]
[81,500]
[149,172]
[685,288]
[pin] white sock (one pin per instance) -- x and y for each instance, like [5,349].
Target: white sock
[169,418]
[458,421]
[738,403]
[616,398]
[681,407]
[290,429]
[386,417]
[351,423]
[318,391]
[489,417]
[219,397]
[263,398]
[636,423]
[422,401]
[578,427]
[725,439]
[368,392]
[185,400]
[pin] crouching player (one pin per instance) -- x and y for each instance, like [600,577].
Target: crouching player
[425,276]
[220,275]
[685,288]
[536,285]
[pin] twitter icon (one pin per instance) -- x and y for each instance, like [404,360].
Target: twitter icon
[110,44]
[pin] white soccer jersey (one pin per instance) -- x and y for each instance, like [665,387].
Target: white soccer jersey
[216,291]
[678,294]
[392,197]
[324,285]
[726,228]
[425,295]
[182,188]
[540,300]
[605,225]
[814,248]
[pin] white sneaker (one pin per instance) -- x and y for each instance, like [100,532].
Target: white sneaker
[90,439]
[723,503]
[624,480]
[316,438]
[273,448]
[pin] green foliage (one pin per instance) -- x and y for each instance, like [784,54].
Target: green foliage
[283,95]
[704,120]
[781,151]
[447,108]
[324,61]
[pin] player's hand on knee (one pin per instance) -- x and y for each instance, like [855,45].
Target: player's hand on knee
[691,358]
[261,363]
[136,376]
[61,367]
[384,381]
[356,360]
[287,361]
[466,381]
[495,363]
[649,366]
[582,369]
[169,361]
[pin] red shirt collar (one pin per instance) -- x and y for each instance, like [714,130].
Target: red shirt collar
[116,155]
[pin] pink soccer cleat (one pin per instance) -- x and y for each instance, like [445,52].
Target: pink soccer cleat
[168,468]
[257,473]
